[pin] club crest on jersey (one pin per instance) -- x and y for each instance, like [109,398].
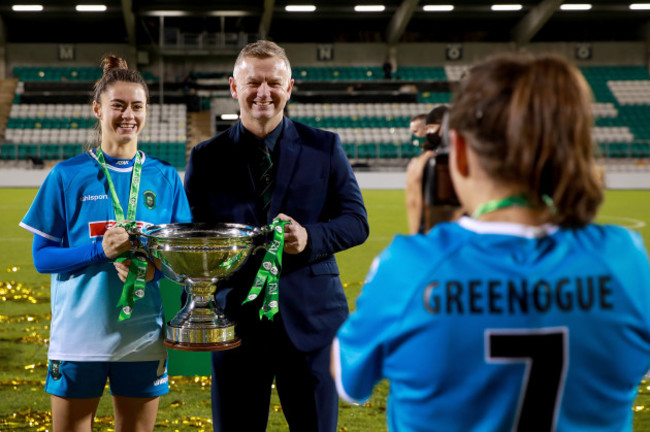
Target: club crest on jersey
[149,199]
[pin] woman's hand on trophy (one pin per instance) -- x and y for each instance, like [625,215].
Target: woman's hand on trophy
[156,262]
[116,240]
[295,235]
[122,269]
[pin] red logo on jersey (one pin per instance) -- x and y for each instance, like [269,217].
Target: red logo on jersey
[97,229]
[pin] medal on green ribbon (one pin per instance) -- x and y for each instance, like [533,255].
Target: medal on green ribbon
[269,273]
[134,286]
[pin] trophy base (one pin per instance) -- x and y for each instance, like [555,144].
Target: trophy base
[201,339]
[219,346]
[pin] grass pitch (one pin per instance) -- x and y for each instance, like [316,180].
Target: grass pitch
[25,314]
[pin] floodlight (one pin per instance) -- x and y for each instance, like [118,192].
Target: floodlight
[300,8]
[27,8]
[505,7]
[91,8]
[369,8]
[438,8]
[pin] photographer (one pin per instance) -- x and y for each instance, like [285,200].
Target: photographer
[523,315]
[430,196]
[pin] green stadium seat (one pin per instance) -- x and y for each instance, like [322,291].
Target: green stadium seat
[367,150]
[26,151]
[408,150]
[69,150]
[8,151]
[64,73]
[389,151]
[640,150]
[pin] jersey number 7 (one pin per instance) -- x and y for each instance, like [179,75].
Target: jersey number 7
[544,352]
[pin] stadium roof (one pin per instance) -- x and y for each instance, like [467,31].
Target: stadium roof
[139,22]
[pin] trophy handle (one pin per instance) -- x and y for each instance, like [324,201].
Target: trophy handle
[136,235]
[258,248]
[267,228]
[139,246]
[263,231]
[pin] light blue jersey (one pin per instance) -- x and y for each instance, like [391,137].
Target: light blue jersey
[484,326]
[73,207]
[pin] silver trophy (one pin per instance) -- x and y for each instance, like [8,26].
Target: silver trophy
[198,255]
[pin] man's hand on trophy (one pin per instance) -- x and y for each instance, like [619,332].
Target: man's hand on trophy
[116,240]
[123,269]
[295,235]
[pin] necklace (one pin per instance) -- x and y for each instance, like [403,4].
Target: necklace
[519,200]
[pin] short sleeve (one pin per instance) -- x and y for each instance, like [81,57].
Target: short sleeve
[362,343]
[46,215]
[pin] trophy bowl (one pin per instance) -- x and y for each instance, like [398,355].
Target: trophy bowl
[197,255]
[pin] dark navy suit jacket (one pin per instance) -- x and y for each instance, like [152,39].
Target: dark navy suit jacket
[316,186]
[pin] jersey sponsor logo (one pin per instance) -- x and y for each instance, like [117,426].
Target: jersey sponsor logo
[149,199]
[93,197]
[98,229]
[498,297]
[122,162]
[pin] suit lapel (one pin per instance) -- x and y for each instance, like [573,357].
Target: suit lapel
[241,175]
[242,152]
[290,149]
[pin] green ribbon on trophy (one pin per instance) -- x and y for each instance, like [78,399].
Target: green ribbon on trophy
[134,286]
[269,273]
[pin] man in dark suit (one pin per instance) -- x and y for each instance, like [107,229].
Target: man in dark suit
[312,186]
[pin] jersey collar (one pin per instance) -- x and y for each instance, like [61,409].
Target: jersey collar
[507,228]
[117,168]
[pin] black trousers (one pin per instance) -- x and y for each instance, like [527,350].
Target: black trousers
[242,379]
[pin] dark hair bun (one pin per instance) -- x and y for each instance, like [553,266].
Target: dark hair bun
[110,62]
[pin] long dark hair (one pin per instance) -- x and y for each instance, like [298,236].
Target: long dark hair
[115,70]
[529,121]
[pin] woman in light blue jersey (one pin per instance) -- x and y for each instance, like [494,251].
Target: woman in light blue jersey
[524,315]
[106,326]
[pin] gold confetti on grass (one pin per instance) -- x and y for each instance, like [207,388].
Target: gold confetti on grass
[17,383]
[19,292]
[35,420]
[16,319]
[34,337]
[42,421]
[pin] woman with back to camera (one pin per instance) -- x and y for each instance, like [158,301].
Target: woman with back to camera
[105,325]
[524,316]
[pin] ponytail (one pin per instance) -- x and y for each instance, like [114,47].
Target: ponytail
[531,124]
